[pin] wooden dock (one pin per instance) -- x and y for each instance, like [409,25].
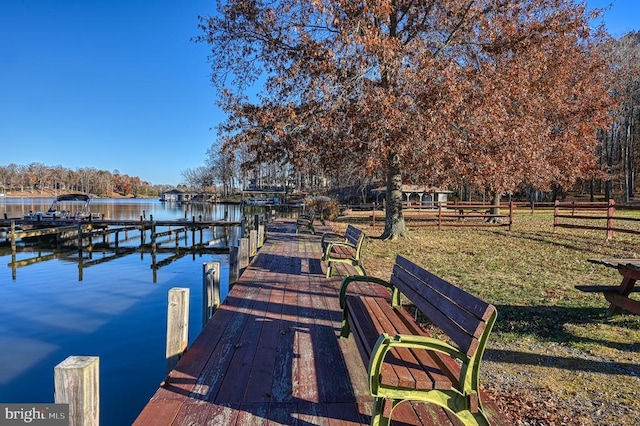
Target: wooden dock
[271,354]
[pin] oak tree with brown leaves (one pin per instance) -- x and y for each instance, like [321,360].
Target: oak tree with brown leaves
[489,93]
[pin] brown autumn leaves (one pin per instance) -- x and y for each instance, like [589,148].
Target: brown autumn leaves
[491,94]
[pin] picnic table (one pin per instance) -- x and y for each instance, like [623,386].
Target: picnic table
[618,296]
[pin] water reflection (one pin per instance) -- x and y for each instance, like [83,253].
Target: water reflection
[107,300]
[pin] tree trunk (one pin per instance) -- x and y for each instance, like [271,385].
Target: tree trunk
[495,207]
[394,225]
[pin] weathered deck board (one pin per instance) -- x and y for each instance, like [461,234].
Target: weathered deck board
[271,354]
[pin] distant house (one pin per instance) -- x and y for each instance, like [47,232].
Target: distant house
[172,196]
[177,196]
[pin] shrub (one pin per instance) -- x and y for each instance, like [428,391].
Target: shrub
[325,205]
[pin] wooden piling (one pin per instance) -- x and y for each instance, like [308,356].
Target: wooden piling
[261,235]
[210,290]
[177,325]
[243,253]
[253,242]
[77,384]
[234,266]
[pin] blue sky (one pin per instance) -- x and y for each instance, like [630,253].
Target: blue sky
[118,85]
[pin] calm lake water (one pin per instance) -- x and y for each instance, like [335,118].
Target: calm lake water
[114,309]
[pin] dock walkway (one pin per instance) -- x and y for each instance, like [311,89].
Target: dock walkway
[271,354]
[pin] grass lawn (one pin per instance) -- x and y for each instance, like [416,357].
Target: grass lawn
[554,357]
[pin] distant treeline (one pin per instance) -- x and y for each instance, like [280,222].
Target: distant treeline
[40,178]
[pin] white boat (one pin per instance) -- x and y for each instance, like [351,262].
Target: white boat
[54,213]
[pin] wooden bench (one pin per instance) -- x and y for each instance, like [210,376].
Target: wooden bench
[345,248]
[404,363]
[306,221]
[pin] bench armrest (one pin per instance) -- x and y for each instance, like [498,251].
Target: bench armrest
[395,294]
[385,343]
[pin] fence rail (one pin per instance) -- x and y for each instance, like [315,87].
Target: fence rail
[598,212]
[449,214]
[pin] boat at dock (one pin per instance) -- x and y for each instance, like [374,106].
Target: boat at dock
[55,211]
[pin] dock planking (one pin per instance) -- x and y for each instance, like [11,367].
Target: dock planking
[272,355]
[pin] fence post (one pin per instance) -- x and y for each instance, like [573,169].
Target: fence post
[439,216]
[210,290]
[177,325]
[510,215]
[77,383]
[611,210]
[556,212]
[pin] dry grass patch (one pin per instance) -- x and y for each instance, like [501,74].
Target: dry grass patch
[554,356]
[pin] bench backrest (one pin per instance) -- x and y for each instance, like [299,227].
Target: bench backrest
[466,319]
[356,237]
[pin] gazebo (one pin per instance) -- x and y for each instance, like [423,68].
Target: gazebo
[428,196]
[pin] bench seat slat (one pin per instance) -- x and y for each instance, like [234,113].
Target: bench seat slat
[366,328]
[397,358]
[443,370]
[411,368]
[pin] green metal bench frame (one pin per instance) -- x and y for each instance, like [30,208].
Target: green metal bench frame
[467,321]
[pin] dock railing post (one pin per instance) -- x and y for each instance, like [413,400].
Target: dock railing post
[177,325]
[210,290]
[77,384]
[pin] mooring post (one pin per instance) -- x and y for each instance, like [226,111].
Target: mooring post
[153,238]
[14,247]
[79,239]
[243,253]
[210,290]
[243,224]
[177,325]
[261,235]
[77,383]
[234,266]
[253,242]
